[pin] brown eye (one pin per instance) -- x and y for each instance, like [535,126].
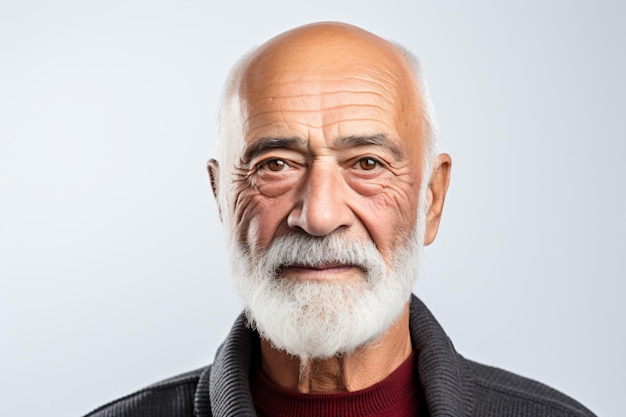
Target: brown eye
[276,165]
[368,164]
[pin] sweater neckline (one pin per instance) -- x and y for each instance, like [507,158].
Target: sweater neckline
[383,398]
[224,388]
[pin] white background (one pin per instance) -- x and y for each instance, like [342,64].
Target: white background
[113,273]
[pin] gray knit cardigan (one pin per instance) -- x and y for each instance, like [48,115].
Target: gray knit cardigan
[453,385]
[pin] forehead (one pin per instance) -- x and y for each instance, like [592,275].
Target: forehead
[334,105]
[332,91]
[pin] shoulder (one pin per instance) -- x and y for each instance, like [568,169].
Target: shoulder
[172,397]
[499,392]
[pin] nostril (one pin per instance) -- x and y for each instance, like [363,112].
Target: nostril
[299,229]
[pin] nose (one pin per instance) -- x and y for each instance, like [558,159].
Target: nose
[322,206]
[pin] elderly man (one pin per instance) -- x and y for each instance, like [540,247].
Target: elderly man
[329,185]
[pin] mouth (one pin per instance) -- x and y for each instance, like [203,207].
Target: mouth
[318,272]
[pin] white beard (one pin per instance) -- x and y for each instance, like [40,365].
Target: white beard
[321,319]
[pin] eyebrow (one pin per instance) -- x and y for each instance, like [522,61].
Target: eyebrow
[379,140]
[260,145]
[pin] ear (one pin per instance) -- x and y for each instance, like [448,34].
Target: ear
[214,174]
[436,194]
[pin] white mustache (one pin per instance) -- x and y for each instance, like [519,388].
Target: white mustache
[319,251]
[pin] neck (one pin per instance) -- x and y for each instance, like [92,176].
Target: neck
[363,368]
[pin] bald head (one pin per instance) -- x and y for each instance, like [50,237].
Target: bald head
[331,51]
[320,89]
[326,50]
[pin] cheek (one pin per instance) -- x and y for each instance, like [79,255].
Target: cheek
[258,219]
[261,205]
[390,216]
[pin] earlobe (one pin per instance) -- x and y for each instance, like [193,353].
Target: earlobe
[437,189]
[214,175]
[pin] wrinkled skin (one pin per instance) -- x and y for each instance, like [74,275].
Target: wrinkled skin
[332,144]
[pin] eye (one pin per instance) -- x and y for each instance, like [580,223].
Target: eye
[367,164]
[274,165]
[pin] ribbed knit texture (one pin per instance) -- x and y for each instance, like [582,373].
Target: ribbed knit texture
[452,385]
[395,396]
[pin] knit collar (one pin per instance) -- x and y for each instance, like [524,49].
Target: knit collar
[224,391]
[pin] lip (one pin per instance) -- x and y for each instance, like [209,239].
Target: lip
[318,272]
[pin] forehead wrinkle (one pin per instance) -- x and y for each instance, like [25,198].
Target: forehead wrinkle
[325,95]
[388,82]
[329,108]
[328,74]
[383,85]
[322,124]
[273,125]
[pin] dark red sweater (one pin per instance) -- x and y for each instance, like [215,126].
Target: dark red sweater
[397,396]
